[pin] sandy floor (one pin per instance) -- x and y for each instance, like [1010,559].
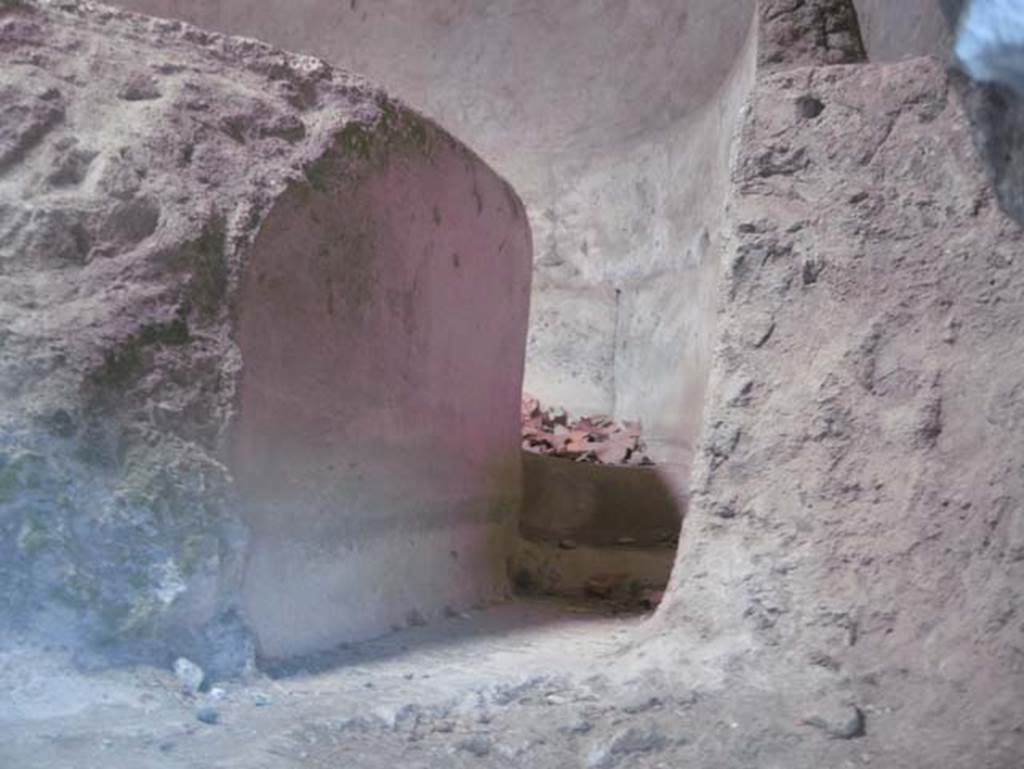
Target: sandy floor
[528,682]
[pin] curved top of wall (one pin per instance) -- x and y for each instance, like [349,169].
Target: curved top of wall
[512,76]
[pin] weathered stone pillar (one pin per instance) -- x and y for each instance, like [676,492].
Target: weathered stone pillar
[853,555]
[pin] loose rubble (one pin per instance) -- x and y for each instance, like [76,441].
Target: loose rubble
[189,675]
[605,585]
[595,439]
[622,592]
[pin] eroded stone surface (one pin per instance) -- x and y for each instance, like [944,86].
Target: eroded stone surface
[139,160]
[805,32]
[855,529]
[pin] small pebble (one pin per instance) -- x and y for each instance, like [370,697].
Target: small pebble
[842,723]
[579,726]
[477,745]
[208,715]
[641,705]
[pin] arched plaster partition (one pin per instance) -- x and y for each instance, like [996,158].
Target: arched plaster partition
[613,122]
[381,321]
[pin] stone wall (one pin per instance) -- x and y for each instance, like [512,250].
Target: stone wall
[613,121]
[261,346]
[852,558]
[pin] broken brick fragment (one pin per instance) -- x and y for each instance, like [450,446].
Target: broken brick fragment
[597,439]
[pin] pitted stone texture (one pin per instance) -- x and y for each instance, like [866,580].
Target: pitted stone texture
[139,159]
[856,521]
[797,33]
[894,31]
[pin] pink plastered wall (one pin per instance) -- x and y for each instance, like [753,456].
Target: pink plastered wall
[382,327]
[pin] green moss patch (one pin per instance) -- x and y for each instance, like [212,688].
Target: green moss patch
[362,146]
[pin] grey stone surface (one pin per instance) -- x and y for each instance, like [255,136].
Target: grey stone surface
[208,715]
[625,746]
[478,745]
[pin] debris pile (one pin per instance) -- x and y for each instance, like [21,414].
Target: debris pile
[594,439]
[623,591]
